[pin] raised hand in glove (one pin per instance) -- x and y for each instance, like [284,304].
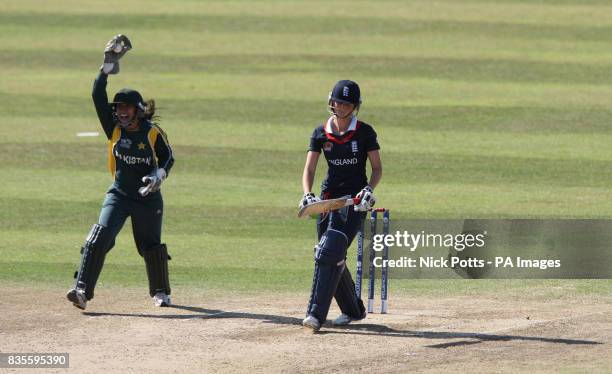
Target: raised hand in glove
[367,199]
[114,50]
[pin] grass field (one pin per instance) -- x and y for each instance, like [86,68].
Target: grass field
[482,108]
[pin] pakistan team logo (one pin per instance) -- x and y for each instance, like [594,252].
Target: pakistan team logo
[125,143]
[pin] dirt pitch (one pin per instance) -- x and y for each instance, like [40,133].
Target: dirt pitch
[206,332]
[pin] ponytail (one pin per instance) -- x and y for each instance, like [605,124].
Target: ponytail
[149,111]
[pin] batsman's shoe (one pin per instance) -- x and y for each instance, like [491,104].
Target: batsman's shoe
[344,319]
[161,299]
[312,323]
[77,296]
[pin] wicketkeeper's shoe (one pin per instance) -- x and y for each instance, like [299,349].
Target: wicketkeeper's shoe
[345,319]
[312,323]
[77,296]
[161,299]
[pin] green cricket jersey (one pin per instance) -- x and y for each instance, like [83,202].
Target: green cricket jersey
[131,154]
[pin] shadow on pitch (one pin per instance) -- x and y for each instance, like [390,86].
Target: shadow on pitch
[205,313]
[468,338]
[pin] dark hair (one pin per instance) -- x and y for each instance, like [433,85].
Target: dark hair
[149,111]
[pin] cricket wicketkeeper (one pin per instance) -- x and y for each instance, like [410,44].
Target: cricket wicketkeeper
[347,144]
[139,158]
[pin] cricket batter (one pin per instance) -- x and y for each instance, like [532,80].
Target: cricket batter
[139,158]
[347,144]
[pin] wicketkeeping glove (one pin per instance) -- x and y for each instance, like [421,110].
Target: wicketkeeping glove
[152,182]
[308,198]
[367,199]
[114,50]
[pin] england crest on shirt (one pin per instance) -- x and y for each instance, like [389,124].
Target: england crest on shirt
[354,148]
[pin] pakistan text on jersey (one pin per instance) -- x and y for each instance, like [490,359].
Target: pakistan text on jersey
[133,160]
[344,161]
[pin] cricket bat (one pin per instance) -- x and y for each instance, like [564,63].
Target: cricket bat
[324,206]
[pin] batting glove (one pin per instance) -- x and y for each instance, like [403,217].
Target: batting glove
[308,199]
[367,199]
[152,182]
[114,50]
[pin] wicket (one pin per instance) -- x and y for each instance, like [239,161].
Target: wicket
[371,268]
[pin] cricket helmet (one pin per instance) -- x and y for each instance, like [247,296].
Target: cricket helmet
[129,96]
[346,91]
